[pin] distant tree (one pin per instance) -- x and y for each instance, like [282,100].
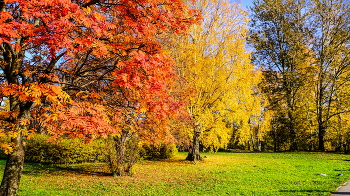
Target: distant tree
[330,44]
[279,35]
[304,47]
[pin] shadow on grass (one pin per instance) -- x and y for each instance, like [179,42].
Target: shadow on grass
[340,193]
[302,191]
[174,160]
[180,160]
[82,169]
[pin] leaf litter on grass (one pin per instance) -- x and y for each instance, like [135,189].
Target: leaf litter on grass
[220,174]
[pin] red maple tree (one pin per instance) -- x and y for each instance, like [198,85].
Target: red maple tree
[60,60]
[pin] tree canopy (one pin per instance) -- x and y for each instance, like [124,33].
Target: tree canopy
[57,58]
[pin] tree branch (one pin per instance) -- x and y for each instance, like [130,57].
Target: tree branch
[87,4]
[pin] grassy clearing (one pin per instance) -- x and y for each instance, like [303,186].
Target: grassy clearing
[219,174]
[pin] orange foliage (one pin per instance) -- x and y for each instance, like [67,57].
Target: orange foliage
[68,60]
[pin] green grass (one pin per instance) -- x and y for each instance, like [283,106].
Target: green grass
[220,174]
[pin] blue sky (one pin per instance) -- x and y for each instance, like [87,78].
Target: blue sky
[246,3]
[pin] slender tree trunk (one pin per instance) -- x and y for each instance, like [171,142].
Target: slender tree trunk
[293,136]
[274,139]
[15,161]
[253,143]
[321,128]
[291,119]
[319,107]
[193,153]
[321,134]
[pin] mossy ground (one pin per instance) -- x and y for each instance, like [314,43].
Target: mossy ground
[219,174]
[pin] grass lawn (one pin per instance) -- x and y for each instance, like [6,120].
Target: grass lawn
[220,174]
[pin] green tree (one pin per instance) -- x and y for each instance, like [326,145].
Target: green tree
[330,45]
[278,33]
[304,47]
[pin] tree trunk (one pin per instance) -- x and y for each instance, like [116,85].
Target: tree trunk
[124,155]
[120,147]
[193,153]
[259,145]
[15,160]
[291,125]
[293,136]
[253,143]
[13,168]
[275,140]
[117,153]
[320,112]
[321,134]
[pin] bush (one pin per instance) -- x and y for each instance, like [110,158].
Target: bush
[162,151]
[64,150]
[67,151]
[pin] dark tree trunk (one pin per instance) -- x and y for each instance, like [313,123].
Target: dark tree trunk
[275,139]
[320,114]
[293,136]
[291,123]
[321,134]
[193,153]
[13,168]
[15,160]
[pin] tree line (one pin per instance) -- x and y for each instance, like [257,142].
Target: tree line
[302,48]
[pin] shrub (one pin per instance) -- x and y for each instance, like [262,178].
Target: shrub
[67,151]
[162,151]
[64,150]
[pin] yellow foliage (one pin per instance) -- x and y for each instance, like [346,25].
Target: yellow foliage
[7,147]
[215,61]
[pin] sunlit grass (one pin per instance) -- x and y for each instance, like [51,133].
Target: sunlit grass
[219,174]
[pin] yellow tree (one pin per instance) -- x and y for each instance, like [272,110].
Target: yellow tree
[215,63]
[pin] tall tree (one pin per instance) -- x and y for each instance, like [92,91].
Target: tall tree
[279,36]
[299,40]
[330,45]
[52,49]
[215,63]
